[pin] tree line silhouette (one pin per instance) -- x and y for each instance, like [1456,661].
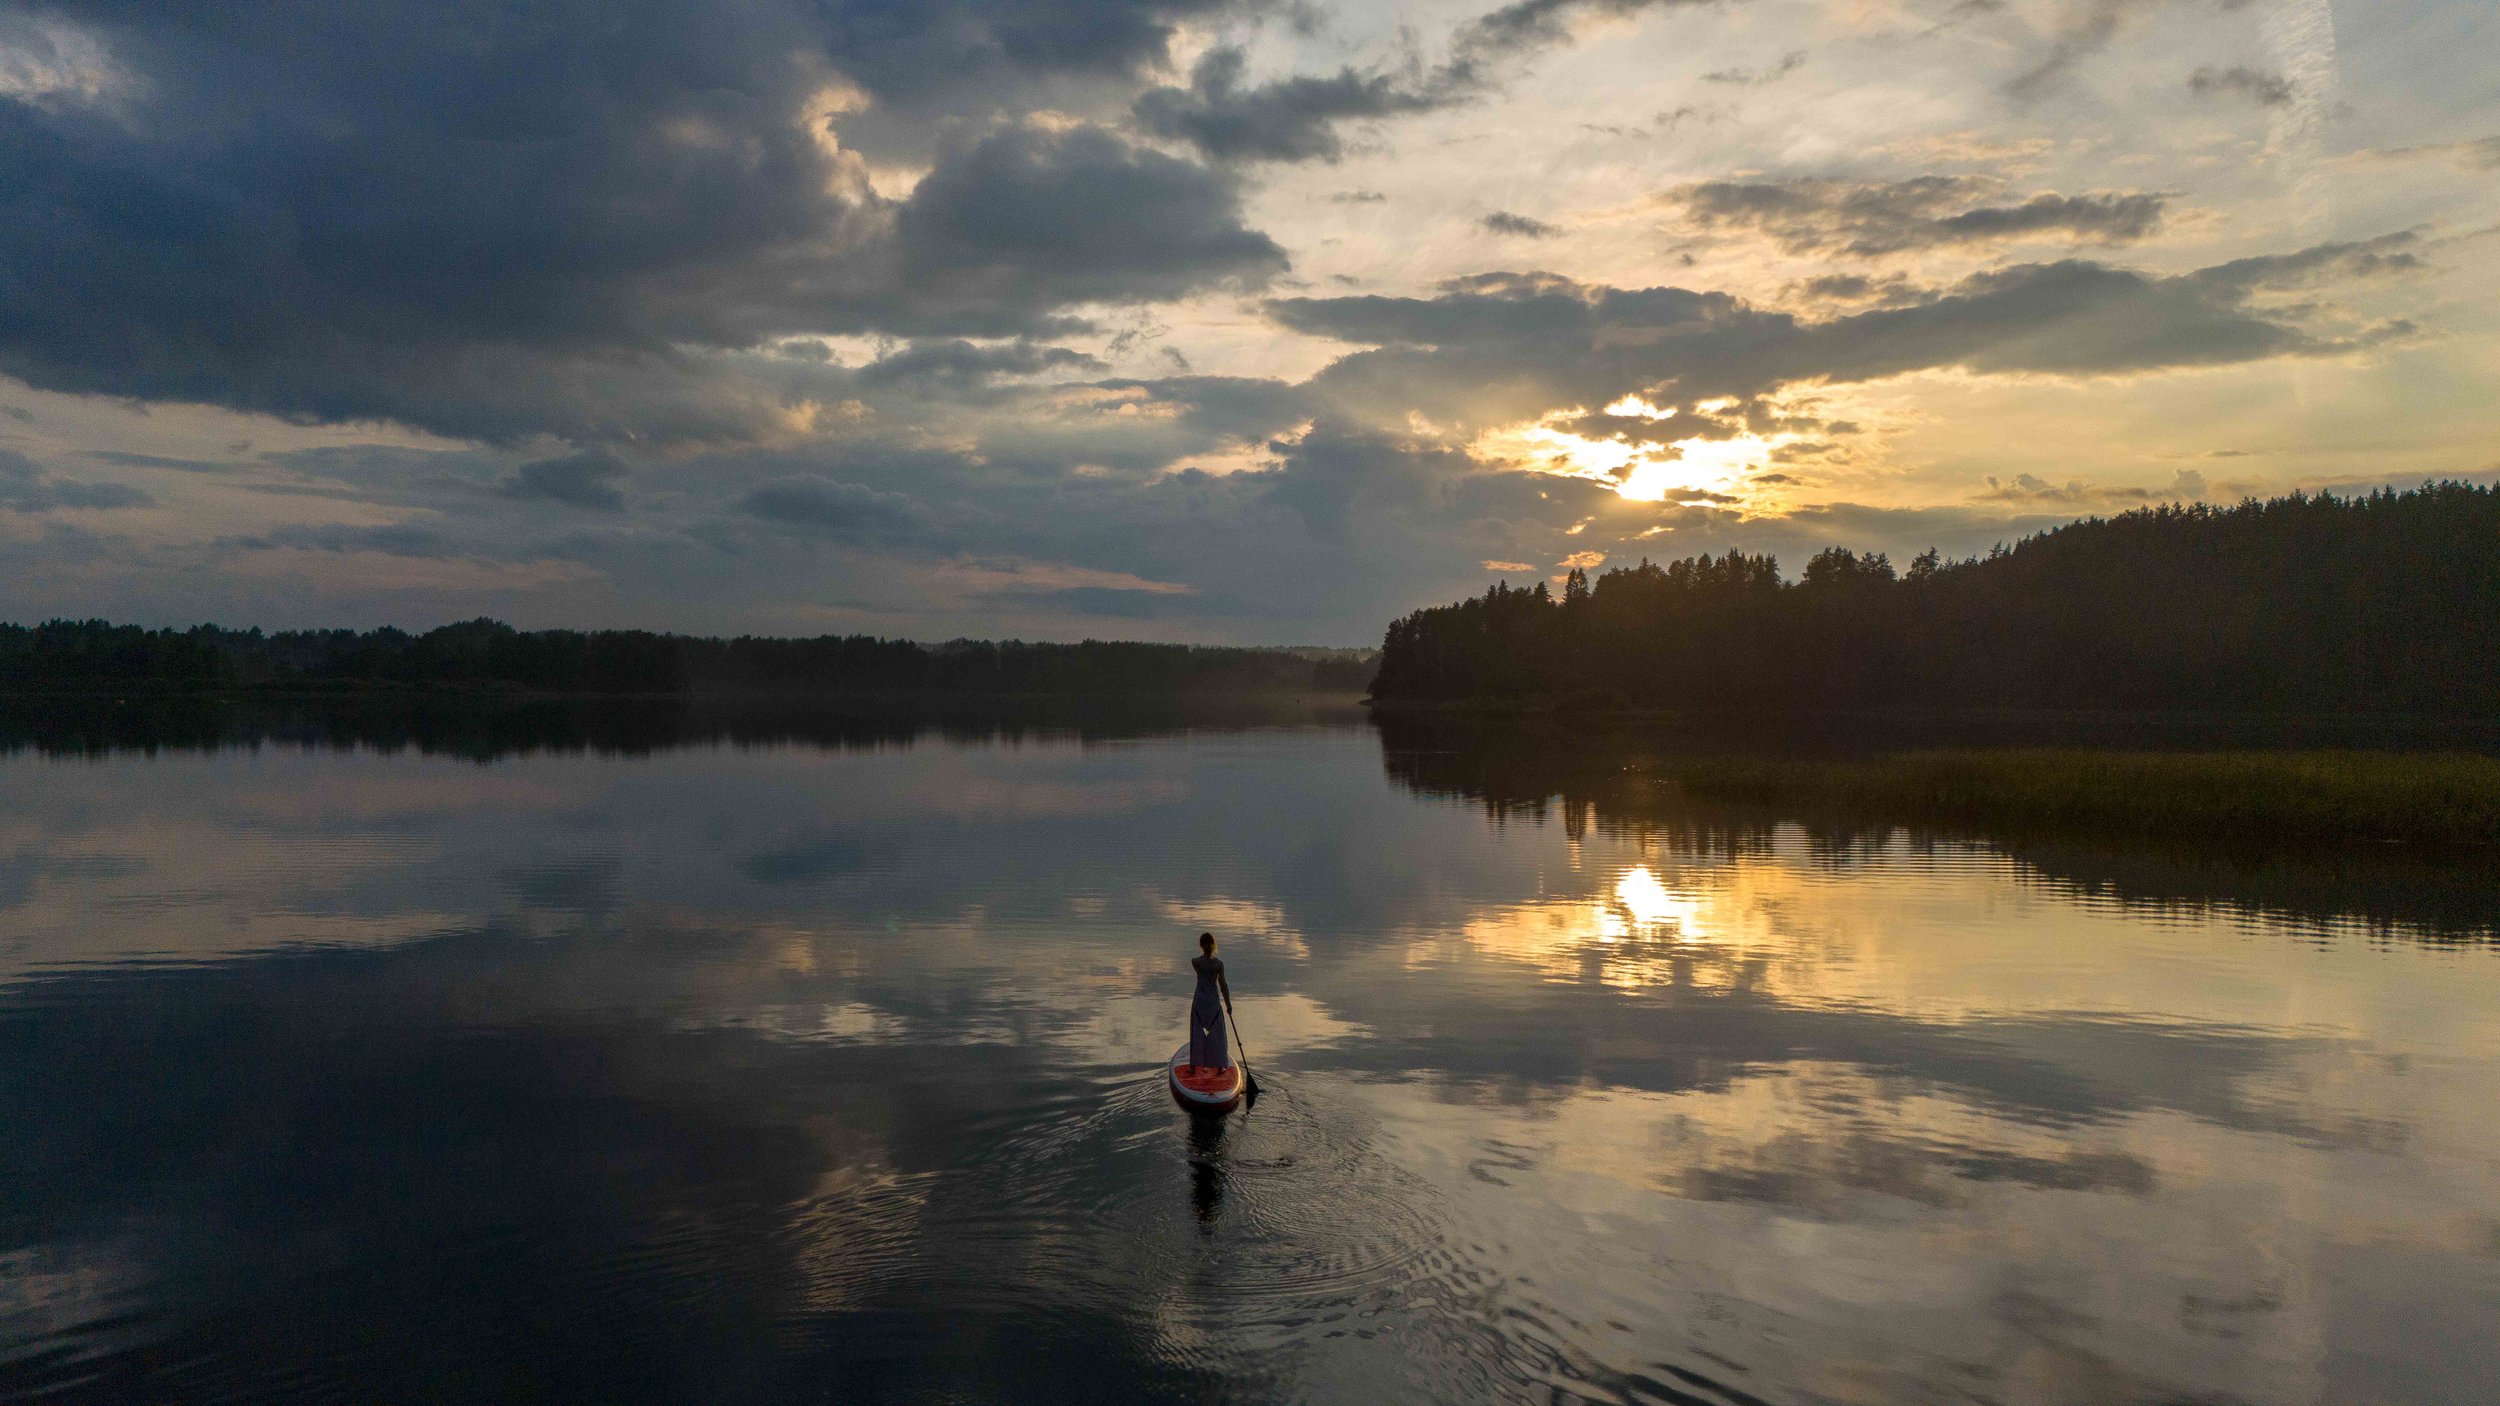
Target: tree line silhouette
[92,655]
[2388,602]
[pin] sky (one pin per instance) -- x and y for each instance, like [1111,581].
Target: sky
[1241,321]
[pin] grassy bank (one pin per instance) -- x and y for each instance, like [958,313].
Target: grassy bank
[2263,798]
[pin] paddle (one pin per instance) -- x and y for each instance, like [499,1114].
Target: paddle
[1249,1081]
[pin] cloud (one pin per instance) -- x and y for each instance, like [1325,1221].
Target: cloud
[1295,118]
[1031,219]
[589,479]
[1725,419]
[1527,26]
[2086,28]
[157,461]
[1789,63]
[397,539]
[1502,348]
[1510,566]
[950,55]
[1873,218]
[1334,531]
[1962,12]
[502,231]
[1854,289]
[822,505]
[1504,222]
[2187,485]
[1290,119]
[965,364]
[25,488]
[2256,85]
[1064,590]
[2320,263]
[2482,154]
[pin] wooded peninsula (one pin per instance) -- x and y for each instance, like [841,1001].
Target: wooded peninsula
[2386,603]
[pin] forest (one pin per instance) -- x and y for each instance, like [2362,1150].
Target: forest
[2384,603]
[79,656]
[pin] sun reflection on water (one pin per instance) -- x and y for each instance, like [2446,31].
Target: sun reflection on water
[1641,931]
[1648,903]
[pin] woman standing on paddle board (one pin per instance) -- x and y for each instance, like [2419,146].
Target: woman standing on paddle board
[1207,1046]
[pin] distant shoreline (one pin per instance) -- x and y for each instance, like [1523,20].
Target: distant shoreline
[489,658]
[490,692]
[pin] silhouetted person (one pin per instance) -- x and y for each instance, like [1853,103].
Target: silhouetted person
[1208,1048]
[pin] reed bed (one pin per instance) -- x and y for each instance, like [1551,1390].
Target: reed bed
[2237,798]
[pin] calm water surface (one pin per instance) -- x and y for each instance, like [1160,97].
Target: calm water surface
[804,1072]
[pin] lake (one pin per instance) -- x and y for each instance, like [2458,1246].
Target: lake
[698,1061]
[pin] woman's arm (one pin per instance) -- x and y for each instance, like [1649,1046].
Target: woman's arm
[1223,986]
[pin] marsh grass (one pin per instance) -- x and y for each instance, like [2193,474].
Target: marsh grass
[2237,799]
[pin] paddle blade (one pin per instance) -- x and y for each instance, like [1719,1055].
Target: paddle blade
[1249,1087]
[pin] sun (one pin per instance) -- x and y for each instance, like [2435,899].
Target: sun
[1643,473]
[1717,466]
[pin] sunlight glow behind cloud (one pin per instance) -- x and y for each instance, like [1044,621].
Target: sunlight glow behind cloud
[1696,468]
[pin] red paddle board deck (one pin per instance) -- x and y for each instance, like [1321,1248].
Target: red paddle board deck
[1201,1086]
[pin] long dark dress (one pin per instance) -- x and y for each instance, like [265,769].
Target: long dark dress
[1207,1047]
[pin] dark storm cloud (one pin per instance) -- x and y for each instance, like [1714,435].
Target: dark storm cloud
[589,479]
[1503,347]
[510,64]
[1504,222]
[2256,85]
[1486,309]
[25,488]
[1295,118]
[1291,119]
[1030,219]
[562,222]
[1225,407]
[1872,218]
[819,504]
[1522,28]
[966,364]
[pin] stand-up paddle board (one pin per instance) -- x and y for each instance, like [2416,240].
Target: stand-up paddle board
[1203,1090]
